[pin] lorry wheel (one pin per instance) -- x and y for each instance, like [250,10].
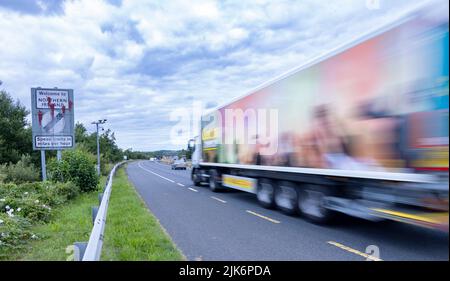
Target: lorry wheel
[214,181]
[266,193]
[286,197]
[196,179]
[311,203]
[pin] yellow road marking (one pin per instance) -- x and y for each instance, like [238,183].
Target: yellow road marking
[195,190]
[218,199]
[263,217]
[351,250]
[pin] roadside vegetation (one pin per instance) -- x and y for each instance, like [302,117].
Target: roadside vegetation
[132,233]
[38,220]
[29,211]
[70,223]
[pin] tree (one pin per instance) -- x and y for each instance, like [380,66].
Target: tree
[15,133]
[109,150]
[80,132]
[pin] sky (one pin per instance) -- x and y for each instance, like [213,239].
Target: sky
[134,62]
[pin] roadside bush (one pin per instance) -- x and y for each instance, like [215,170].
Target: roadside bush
[35,200]
[76,166]
[22,171]
[14,232]
[28,206]
[64,191]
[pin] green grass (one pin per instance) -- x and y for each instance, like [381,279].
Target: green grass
[70,223]
[132,233]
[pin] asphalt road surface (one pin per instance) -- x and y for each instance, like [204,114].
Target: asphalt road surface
[232,226]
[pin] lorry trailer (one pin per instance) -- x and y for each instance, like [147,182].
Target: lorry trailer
[361,130]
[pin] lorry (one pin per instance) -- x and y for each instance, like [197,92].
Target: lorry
[361,130]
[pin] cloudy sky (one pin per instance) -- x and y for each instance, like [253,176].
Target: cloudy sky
[134,61]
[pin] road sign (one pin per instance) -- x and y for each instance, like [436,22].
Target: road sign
[52,114]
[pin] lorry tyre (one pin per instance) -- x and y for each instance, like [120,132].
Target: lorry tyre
[286,197]
[266,193]
[196,179]
[311,203]
[214,181]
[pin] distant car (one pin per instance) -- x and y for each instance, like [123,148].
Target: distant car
[179,164]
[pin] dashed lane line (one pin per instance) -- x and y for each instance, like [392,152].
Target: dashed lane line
[263,217]
[218,199]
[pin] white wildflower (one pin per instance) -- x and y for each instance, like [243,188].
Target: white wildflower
[7,207]
[2,199]
[10,213]
[36,201]
[2,221]
[4,234]
[18,209]
[46,207]
[34,236]
[26,193]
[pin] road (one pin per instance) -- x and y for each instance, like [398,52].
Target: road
[232,226]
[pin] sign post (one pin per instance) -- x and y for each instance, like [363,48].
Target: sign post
[52,112]
[43,167]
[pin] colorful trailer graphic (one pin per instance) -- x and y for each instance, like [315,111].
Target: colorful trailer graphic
[380,104]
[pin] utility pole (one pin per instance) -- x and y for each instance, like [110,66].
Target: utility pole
[97,123]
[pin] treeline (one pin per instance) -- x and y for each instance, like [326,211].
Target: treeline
[157,154]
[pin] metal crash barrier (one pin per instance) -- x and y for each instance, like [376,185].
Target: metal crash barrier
[91,250]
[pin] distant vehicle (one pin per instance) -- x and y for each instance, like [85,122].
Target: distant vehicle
[152,159]
[361,131]
[179,164]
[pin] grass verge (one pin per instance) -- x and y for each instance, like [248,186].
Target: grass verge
[70,223]
[132,233]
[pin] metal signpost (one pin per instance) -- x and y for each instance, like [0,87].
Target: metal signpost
[52,112]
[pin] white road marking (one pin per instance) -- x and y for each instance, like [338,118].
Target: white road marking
[195,190]
[356,252]
[139,164]
[263,217]
[218,199]
[180,184]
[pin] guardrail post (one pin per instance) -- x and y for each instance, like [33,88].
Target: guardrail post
[79,249]
[100,197]
[94,213]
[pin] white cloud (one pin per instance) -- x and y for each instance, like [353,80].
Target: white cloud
[135,63]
